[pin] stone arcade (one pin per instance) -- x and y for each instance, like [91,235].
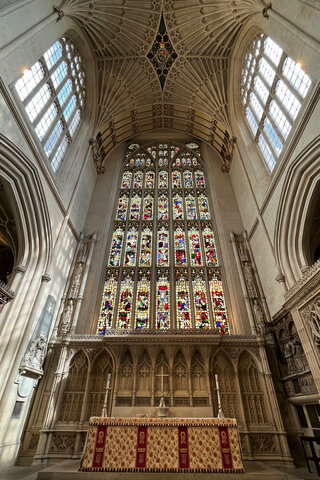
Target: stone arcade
[159,198]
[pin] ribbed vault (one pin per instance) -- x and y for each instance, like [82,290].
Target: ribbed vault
[194,96]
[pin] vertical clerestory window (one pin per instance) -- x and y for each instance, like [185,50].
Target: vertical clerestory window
[52,92]
[273,89]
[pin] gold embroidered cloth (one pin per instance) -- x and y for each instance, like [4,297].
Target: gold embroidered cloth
[162,445]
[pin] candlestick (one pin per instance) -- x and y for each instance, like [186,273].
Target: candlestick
[105,404]
[220,412]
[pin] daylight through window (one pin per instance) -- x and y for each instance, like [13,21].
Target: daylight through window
[52,91]
[273,88]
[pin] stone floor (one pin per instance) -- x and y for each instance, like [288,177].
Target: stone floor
[68,470]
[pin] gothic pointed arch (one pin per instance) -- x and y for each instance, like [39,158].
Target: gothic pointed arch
[252,390]
[143,375]
[162,370]
[294,234]
[223,367]
[70,410]
[126,374]
[98,378]
[29,235]
[198,375]
[180,375]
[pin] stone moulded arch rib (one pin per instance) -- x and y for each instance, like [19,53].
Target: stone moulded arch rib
[162,116]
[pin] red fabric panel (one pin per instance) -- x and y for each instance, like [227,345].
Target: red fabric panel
[142,447]
[99,448]
[183,447]
[226,455]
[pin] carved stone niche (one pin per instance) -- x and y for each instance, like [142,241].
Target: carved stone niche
[294,359]
[32,364]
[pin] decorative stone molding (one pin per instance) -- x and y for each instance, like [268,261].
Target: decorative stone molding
[256,304]
[309,281]
[311,315]
[261,443]
[70,305]
[6,295]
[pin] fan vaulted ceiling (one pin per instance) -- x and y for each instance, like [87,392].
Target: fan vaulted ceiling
[193,97]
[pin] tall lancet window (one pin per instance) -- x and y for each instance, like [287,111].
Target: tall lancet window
[52,92]
[162,268]
[273,89]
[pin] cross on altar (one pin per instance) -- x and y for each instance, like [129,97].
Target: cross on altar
[162,375]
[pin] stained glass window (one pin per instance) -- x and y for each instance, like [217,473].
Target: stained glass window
[218,306]
[201,304]
[180,247]
[163,248]
[183,304]
[149,180]
[137,180]
[199,179]
[142,304]
[204,211]
[273,89]
[191,207]
[107,305]
[148,208]
[116,248]
[146,248]
[176,179]
[122,208]
[195,247]
[209,247]
[163,303]
[163,208]
[125,304]
[163,204]
[163,179]
[135,207]
[126,180]
[177,207]
[187,178]
[52,92]
[131,248]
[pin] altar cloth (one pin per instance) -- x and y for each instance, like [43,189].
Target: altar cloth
[201,445]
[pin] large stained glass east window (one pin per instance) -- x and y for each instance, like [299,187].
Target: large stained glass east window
[163,270]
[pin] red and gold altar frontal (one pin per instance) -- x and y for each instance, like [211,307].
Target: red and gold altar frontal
[203,445]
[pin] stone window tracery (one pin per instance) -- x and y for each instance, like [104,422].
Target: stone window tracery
[273,89]
[52,92]
[162,270]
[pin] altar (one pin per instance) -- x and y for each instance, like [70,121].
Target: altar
[202,445]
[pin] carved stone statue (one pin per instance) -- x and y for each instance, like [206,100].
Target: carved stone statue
[315,322]
[76,280]
[258,313]
[247,270]
[35,355]
[299,358]
[83,252]
[66,316]
[289,354]
[242,251]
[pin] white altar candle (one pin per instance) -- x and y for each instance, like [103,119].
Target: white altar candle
[216,379]
[108,380]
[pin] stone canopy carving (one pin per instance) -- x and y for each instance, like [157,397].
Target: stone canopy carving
[315,322]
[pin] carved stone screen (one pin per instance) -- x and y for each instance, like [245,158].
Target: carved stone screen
[162,267]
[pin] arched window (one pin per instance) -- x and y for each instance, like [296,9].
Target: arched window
[162,266]
[273,88]
[52,92]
